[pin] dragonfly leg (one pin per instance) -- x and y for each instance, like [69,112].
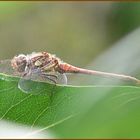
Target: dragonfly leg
[49,78]
[51,75]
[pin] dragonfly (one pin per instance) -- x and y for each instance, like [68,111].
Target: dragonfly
[46,67]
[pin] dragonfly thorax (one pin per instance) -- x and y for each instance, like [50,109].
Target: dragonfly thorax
[42,61]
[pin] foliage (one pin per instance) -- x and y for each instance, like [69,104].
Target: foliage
[91,111]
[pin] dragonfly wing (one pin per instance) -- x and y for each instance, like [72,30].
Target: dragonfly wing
[62,79]
[5,67]
[30,83]
[26,85]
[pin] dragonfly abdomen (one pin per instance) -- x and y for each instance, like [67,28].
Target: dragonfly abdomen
[67,68]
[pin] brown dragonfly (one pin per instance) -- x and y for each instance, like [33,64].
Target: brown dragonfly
[44,66]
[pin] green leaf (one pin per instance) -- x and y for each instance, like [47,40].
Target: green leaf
[90,111]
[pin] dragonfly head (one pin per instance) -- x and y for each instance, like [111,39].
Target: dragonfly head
[19,63]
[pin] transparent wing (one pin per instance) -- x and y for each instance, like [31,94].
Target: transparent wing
[5,67]
[31,82]
[27,84]
[61,79]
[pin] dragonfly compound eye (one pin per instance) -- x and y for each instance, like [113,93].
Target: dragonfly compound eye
[19,63]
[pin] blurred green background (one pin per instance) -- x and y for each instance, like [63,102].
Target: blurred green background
[77,32]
